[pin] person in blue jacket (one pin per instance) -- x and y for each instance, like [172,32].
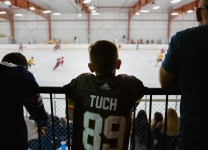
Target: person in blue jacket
[17,89]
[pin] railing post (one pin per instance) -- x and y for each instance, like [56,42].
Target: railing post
[51,102]
[150,112]
[145,106]
[54,107]
[67,116]
[165,125]
[38,117]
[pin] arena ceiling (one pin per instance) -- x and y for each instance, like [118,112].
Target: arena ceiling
[101,6]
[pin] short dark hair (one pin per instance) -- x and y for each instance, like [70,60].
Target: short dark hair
[16,58]
[103,56]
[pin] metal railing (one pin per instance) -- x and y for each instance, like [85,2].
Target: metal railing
[148,99]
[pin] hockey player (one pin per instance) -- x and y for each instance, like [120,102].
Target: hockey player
[30,62]
[159,58]
[20,46]
[55,47]
[59,61]
[163,50]
[119,46]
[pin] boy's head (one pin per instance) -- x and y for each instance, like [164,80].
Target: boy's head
[103,57]
[16,58]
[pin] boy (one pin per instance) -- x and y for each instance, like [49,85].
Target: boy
[103,102]
[30,62]
[16,90]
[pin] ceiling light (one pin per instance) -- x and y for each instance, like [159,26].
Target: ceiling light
[144,11]
[137,13]
[32,8]
[190,11]
[7,2]
[95,13]
[56,14]
[47,11]
[2,12]
[156,7]
[86,1]
[91,7]
[18,14]
[175,1]
[79,15]
[174,14]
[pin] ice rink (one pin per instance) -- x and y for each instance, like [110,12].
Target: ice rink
[140,63]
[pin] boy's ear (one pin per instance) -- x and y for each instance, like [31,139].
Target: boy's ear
[198,15]
[118,65]
[91,67]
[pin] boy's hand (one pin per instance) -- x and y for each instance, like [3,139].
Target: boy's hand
[42,131]
[159,124]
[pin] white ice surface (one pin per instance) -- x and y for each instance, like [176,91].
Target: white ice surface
[140,63]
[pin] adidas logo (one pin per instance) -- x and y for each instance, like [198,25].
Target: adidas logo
[105,86]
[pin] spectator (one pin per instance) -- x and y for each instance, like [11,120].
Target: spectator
[157,125]
[46,140]
[103,100]
[142,41]
[159,42]
[141,131]
[142,116]
[157,121]
[138,42]
[16,85]
[132,41]
[171,129]
[152,41]
[185,68]
[63,128]
[147,41]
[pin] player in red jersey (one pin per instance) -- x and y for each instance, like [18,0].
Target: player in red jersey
[103,102]
[56,47]
[59,61]
[163,50]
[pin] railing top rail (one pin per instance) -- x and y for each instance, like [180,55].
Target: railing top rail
[45,89]
[150,91]
[159,91]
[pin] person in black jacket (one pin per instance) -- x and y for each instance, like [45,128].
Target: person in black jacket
[17,89]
